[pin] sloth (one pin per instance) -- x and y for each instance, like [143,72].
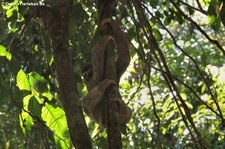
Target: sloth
[94,103]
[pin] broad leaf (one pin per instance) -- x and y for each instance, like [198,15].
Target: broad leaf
[34,107]
[37,82]
[3,52]
[22,81]
[56,120]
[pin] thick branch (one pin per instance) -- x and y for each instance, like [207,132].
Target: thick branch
[57,21]
[113,125]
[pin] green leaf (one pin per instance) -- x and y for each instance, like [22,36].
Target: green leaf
[157,35]
[38,83]
[10,9]
[169,114]
[22,81]
[214,22]
[34,107]
[166,104]
[56,120]
[3,52]
[26,121]
[26,101]
[211,19]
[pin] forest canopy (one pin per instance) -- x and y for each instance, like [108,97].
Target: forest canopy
[174,83]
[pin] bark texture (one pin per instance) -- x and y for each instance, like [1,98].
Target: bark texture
[56,20]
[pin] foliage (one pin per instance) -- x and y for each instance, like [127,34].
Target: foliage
[186,66]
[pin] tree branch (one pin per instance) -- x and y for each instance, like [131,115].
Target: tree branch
[57,23]
[198,69]
[185,113]
[113,123]
[200,10]
[199,28]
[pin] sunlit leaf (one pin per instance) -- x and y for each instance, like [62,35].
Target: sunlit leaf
[48,95]
[166,104]
[22,81]
[26,121]
[215,22]
[168,115]
[38,83]
[55,119]
[3,52]
[10,8]
[157,35]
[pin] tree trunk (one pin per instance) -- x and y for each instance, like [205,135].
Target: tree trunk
[57,22]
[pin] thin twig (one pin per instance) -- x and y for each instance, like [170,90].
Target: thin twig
[170,81]
[199,28]
[192,7]
[197,67]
